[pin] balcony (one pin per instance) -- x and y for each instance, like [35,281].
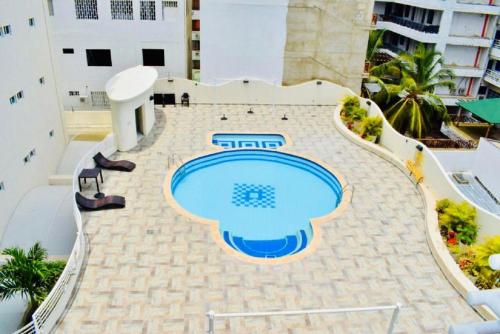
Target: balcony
[427,28]
[465,71]
[495,50]
[492,77]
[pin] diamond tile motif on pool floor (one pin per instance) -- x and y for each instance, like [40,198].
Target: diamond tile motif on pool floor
[254,195]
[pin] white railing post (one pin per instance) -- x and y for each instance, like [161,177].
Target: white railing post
[211,320]
[394,318]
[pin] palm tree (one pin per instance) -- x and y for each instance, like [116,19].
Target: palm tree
[28,274]
[410,105]
[375,41]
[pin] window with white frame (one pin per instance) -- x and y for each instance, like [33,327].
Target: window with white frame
[41,80]
[7,30]
[74,93]
[13,99]
[31,21]
[148,10]
[20,95]
[86,9]
[168,9]
[99,99]
[122,10]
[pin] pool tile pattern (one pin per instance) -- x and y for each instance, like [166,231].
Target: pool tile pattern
[150,270]
[254,195]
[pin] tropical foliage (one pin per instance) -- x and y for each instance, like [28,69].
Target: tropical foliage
[457,222]
[474,262]
[356,118]
[375,41]
[28,274]
[407,90]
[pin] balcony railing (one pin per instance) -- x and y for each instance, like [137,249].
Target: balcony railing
[496,44]
[493,75]
[427,28]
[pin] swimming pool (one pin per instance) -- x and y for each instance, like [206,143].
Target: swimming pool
[248,140]
[262,200]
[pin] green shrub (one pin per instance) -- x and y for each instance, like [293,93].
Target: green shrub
[442,205]
[356,114]
[459,218]
[350,101]
[489,247]
[371,127]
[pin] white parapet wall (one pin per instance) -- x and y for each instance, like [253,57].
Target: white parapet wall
[253,92]
[435,176]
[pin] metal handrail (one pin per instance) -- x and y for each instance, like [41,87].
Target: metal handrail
[493,74]
[212,316]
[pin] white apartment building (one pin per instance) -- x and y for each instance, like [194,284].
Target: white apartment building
[31,129]
[462,30]
[491,80]
[92,40]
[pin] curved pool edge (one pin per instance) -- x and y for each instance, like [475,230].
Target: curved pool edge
[284,134]
[214,224]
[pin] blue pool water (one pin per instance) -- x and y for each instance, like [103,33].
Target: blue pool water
[241,140]
[263,199]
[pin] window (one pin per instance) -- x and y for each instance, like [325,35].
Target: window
[148,10]
[51,133]
[196,25]
[86,9]
[13,99]
[74,93]
[50,7]
[196,45]
[98,57]
[407,11]
[196,64]
[31,22]
[2,186]
[7,30]
[20,95]
[68,51]
[122,10]
[430,17]
[41,80]
[99,99]
[169,4]
[168,9]
[153,57]
[196,4]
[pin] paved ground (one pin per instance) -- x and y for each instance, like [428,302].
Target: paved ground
[152,271]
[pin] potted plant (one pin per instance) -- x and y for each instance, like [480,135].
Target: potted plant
[371,128]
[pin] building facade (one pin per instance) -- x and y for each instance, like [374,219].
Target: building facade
[491,80]
[462,30]
[92,40]
[31,131]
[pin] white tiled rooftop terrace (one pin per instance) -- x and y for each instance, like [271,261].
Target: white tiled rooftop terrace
[150,270]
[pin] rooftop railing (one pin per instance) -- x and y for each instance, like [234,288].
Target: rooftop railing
[427,28]
[493,75]
[51,309]
[212,316]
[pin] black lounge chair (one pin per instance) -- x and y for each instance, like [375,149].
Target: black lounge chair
[120,165]
[108,202]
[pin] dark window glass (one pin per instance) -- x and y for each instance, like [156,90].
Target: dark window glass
[196,45]
[196,4]
[423,16]
[407,11]
[497,66]
[430,17]
[69,51]
[153,57]
[98,57]
[482,90]
[196,64]
[490,64]
[196,25]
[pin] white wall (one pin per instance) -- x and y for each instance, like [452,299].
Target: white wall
[26,125]
[486,166]
[467,24]
[242,39]
[125,38]
[458,55]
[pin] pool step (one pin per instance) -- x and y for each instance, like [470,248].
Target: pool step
[291,244]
